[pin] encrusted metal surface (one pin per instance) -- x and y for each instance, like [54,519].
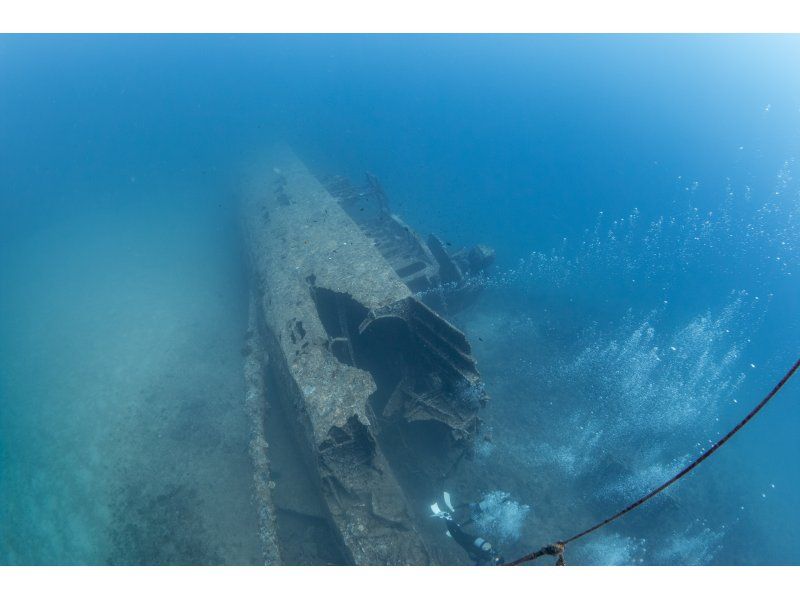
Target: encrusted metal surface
[352,351]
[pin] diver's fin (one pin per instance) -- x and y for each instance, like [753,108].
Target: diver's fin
[446,496]
[437,512]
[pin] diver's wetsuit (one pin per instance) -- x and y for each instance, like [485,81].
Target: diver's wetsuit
[472,544]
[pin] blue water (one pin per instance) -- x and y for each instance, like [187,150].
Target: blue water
[643,197]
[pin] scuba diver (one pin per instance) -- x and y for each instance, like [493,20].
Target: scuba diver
[478,549]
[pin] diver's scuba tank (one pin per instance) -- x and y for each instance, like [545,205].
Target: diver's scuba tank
[479,549]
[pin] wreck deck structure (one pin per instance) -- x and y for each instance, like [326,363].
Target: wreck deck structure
[380,393]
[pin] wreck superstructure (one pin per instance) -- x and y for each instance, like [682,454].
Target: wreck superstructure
[425,266]
[368,376]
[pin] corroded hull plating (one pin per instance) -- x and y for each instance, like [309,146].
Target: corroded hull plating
[357,360]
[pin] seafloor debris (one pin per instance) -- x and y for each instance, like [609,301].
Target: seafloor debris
[380,392]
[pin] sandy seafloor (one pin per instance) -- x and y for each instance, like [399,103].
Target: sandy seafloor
[123,381]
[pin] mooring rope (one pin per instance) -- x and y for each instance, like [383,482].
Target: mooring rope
[557,548]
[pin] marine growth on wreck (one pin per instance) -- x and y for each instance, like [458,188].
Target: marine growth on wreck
[380,394]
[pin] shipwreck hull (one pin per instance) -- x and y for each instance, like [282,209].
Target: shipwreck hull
[359,364]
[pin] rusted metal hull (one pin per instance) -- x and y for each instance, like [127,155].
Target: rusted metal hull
[357,360]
